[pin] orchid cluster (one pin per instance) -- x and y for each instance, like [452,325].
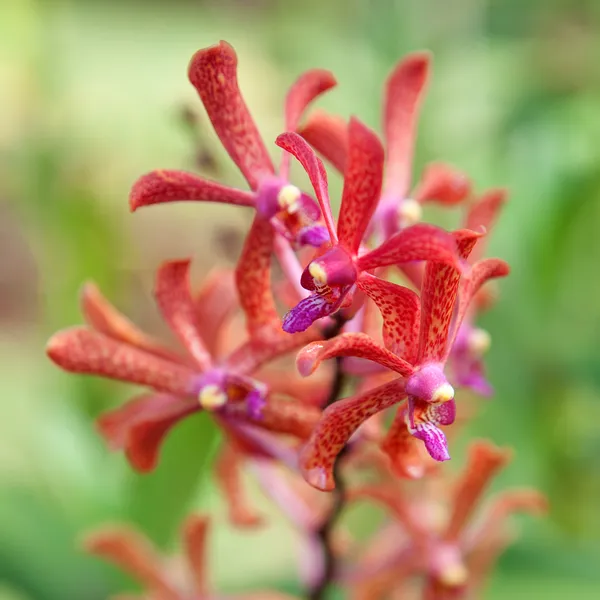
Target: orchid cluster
[387,303]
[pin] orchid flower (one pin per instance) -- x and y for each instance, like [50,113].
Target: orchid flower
[136,555]
[182,384]
[441,183]
[213,72]
[332,275]
[419,335]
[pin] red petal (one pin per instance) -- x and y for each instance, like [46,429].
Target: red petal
[195,533]
[362,184]
[438,300]
[133,553]
[401,312]
[174,298]
[140,426]
[404,92]
[484,213]
[213,72]
[338,423]
[444,184]
[485,460]
[81,350]
[163,186]
[102,316]
[359,345]
[328,135]
[418,242]
[294,144]
[253,277]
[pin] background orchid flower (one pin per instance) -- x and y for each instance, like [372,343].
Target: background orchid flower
[421,333]
[404,92]
[213,72]
[136,555]
[333,274]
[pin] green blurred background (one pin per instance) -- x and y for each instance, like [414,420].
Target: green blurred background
[91,96]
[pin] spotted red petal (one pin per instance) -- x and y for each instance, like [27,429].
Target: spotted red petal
[401,311]
[484,213]
[338,423]
[294,144]
[132,552]
[328,135]
[253,277]
[438,301]
[140,426]
[81,350]
[174,299]
[444,184]
[418,242]
[213,72]
[161,186]
[194,534]
[362,184]
[404,91]
[102,316]
[359,345]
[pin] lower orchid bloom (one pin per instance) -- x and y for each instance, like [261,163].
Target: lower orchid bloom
[213,72]
[331,276]
[418,337]
[182,578]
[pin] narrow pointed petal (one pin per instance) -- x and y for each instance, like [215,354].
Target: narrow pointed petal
[140,426]
[444,184]
[213,72]
[174,299]
[401,312]
[253,277]
[228,475]
[403,95]
[484,213]
[307,311]
[359,345]
[133,553]
[338,423]
[102,316]
[403,450]
[419,242]
[162,186]
[80,350]
[294,144]
[438,300]
[328,135]
[485,460]
[362,184]
[195,533]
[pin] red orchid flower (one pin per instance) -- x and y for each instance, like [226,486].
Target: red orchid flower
[441,183]
[419,336]
[442,543]
[332,275]
[213,72]
[182,384]
[160,577]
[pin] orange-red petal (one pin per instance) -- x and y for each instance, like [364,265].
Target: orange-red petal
[328,135]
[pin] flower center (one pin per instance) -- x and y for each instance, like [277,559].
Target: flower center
[410,212]
[479,342]
[212,397]
[288,198]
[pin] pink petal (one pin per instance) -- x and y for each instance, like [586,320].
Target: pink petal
[419,242]
[164,186]
[362,184]
[404,92]
[79,350]
[444,184]
[401,312]
[253,277]
[213,72]
[328,135]
[195,534]
[484,213]
[359,345]
[174,299]
[338,423]
[294,144]
[102,316]
[140,426]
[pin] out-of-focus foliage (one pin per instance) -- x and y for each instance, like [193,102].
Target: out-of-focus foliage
[92,94]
